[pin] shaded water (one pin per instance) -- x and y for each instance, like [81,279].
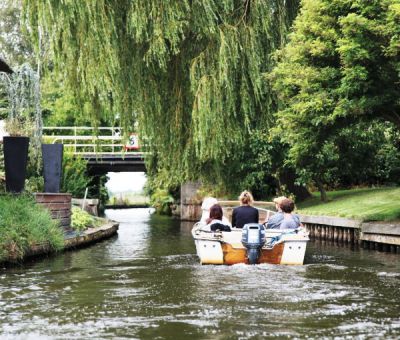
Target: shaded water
[146,283]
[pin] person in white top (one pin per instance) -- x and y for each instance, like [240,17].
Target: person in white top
[215,221]
[208,202]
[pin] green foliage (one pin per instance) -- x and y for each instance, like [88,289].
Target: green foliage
[75,179]
[97,189]
[162,201]
[24,224]
[14,44]
[194,70]
[81,220]
[60,106]
[256,166]
[340,66]
[34,184]
[368,204]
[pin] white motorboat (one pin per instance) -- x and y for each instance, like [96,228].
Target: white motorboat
[251,245]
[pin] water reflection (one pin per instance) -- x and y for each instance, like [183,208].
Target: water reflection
[147,283]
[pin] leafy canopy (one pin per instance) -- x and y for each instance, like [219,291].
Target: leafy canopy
[341,65]
[190,72]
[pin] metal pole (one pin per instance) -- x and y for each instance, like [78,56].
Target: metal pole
[84,199]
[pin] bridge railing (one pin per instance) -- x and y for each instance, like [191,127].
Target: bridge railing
[82,140]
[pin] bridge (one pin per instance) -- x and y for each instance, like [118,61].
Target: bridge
[104,148]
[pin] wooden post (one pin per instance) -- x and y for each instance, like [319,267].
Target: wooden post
[318,232]
[341,235]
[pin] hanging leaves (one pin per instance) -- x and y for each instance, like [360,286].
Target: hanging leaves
[190,72]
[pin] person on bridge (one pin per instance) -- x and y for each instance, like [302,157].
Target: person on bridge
[246,213]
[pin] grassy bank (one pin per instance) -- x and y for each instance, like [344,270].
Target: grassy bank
[24,224]
[129,199]
[368,204]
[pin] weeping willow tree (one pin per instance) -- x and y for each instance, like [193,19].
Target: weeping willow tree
[190,72]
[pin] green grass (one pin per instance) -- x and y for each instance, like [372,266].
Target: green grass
[129,199]
[368,204]
[24,224]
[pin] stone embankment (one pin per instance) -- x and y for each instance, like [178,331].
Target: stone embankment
[382,236]
[72,240]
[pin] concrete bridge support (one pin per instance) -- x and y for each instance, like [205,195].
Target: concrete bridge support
[190,202]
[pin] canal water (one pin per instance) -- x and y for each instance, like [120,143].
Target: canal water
[146,283]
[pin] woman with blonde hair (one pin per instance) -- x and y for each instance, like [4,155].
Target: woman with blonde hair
[245,213]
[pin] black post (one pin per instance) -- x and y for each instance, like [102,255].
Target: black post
[15,162]
[52,166]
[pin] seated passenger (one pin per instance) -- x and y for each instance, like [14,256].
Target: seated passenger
[245,213]
[290,221]
[274,222]
[208,202]
[215,222]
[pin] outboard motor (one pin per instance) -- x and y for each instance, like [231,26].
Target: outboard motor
[253,238]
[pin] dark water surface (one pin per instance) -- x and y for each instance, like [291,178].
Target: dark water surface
[146,283]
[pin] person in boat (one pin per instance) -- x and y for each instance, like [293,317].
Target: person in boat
[275,221]
[208,202]
[246,213]
[290,220]
[215,220]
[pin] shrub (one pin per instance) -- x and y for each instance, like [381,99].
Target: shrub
[162,201]
[81,220]
[75,179]
[24,224]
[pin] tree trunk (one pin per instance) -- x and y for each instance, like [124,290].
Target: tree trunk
[321,189]
[288,177]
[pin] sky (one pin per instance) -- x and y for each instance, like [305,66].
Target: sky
[126,181]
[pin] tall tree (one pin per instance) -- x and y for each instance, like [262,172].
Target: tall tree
[15,47]
[190,71]
[341,65]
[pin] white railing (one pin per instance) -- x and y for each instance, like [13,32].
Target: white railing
[82,140]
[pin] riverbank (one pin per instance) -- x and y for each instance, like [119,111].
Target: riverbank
[365,204]
[72,240]
[26,227]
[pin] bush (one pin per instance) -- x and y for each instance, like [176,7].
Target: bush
[81,220]
[24,224]
[162,201]
[75,179]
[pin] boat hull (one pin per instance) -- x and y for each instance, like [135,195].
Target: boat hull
[226,248]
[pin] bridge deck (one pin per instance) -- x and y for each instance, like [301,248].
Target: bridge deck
[107,162]
[104,153]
